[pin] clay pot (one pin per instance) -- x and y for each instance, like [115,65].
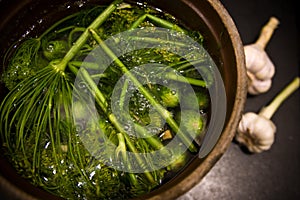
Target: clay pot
[222,41]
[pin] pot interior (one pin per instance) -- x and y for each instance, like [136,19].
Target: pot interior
[30,17]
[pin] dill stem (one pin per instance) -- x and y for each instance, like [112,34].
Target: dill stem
[153,141]
[158,41]
[84,36]
[87,65]
[156,20]
[161,110]
[188,64]
[56,24]
[122,148]
[183,79]
[268,111]
[112,118]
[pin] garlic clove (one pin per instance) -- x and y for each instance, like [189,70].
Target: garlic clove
[267,72]
[254,58]
[245,122]
[265,129]
[258,62]
[256,86]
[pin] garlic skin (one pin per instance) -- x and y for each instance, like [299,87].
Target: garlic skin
[256,132]
[256,86]
[260,68]
[258,62]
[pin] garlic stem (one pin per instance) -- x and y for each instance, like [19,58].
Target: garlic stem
[269,110]
[266,32]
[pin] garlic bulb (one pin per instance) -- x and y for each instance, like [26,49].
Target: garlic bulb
[257,131]
[259,66]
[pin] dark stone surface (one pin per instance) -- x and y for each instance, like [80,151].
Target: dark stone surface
[273,174]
